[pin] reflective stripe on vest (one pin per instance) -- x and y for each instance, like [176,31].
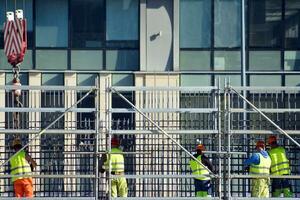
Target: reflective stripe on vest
[117,161]
[263,168]
[198,169]
[19,166]
[280,164]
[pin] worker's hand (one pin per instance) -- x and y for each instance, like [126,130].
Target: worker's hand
[32,167]
[102,170]
[247,168]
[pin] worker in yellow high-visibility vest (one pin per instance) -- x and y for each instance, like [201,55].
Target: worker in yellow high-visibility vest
[21,164]
[115,161]
[202,182]
[280,166]
[260,163]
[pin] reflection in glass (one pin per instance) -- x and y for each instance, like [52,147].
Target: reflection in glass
[265,23]
[292,23]
[87,27]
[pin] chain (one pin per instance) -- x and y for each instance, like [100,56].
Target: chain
[17,102]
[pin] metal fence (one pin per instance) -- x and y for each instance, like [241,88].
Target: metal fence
[156,145]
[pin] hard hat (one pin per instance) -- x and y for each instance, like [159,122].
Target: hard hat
[272,139]
[16,141]
[260,143]
[200,147]
[115,141]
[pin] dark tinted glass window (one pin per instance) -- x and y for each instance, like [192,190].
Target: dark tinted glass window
[265,23]
[87,27]
[292,23]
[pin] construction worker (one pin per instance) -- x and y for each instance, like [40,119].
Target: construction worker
[21,164]
[202,184]
[260,163]
[116,163]
[280,165]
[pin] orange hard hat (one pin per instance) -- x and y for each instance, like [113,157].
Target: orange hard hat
[272,139]
[260,143]
[200,147]
[115,141]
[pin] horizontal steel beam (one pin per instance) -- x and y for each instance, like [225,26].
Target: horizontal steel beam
[264,132]
[137,132]
[52,110]
[47,87]
[88,176]
[254,198]
[50,198]
[266,89]
[150,89]
[49,131]
[164,110]
[265,110]
[167,198]
[166,176]
[246,176]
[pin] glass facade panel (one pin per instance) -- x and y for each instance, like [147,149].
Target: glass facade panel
[264,60]
[194,60]
[195,23]
[122,20]
[86,60]
[23,78]
[292,80]
[235,80]
[122,80]
[26,64]
[227,23]
[51,59]
[292,24]
[292,60]
[122,60]
[86,79]
[265,80]
[52,23]
[195,80]
[265,23]
[52,79]
[227,60]
[87,24]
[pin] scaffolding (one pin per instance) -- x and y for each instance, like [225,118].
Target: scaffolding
[68,129]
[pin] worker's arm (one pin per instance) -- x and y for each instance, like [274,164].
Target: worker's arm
[254,159]
[206,162]
[31,161]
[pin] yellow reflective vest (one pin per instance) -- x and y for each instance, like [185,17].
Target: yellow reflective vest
[280,164]
[263,168]
[198,169]
[19,165]
[116,160]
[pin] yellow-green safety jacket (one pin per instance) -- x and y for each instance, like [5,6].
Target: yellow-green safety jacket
[117,161]
[280,164]
[263,168]
[198,169]
[19,165]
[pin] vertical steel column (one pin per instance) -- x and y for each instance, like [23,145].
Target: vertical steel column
[97,132]
[108,143]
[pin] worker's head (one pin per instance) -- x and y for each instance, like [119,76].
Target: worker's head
[200,148]
[272,141]
[17,144]
[115,142]
[260,145]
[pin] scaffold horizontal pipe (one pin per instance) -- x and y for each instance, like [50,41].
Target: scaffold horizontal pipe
[49,131]
[264,132]
[50,110]
[164,110]
[237,176]
[181,89]
[101,153]
[265,110]
[265,89]
[225,152]
[50,88]
[134,132]
[254,198]
[167,198]
[50,198]
[147,176]
[88,176]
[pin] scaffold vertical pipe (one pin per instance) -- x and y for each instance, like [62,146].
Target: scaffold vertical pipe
[97,132]
[108,140]
[229,138]
[219,139]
